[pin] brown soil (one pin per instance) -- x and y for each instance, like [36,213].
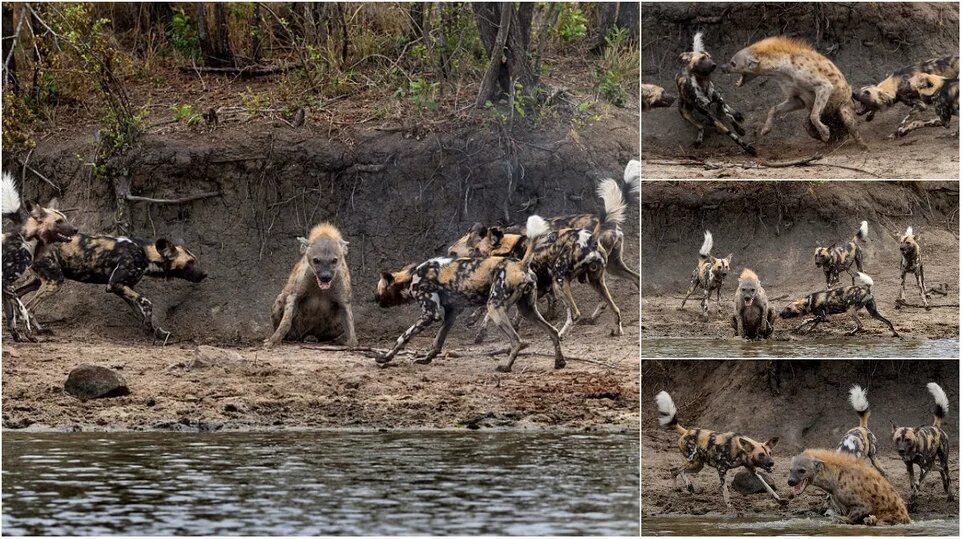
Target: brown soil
[294,386]
[773,228]
[866,41]
[811,410]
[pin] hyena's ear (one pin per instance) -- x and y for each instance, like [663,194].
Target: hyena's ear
[818,465]
[303,243]
[771,443]
[344,245]
[684,58]
[165,248]
[387,277]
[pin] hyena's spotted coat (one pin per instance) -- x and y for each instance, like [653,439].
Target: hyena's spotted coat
[721,450]
[925,445]
[709,275]
[754,318]
[834,260]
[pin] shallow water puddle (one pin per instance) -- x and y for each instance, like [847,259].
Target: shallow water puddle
[299,483]
[834,347]
[720,525]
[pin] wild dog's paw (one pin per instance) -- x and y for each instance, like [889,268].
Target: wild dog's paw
[751,150]
[739,117]
[503,368]
[738,129]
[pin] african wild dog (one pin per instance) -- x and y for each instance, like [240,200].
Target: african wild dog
[809,81]
[317,297]
[118,262]
[720,450]
[28,237]
[943,92]
[753,318]
[878,97]
[698,96]
[923,445]
[859,492]
[911,263]
[849,299]
[653,97]
[709,275]
[834,260]
[445,286]
[860,441]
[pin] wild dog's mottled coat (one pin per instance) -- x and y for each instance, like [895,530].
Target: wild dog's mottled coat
[878,97]
[709,275]
[720,450]
[923,445]
[653,97]
[118,262]
[860,441]
[944,93]
[808,80]
[859,492]
[445,286]
[699,102]
[316,300]
[753,318]
[849,299]
[834,260]
[911,263]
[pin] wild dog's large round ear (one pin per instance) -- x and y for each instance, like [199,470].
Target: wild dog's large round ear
[304,244]
[496,236]
[479,229]
[729,258]
[894,427]
[34,209]
[684,58]
[743,444]
[54,204]
[165,248]
[771,443]
[387,277]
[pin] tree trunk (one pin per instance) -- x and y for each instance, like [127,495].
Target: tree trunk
[213,37]
[508,43]
[628,17]
[608,14]
[10,69]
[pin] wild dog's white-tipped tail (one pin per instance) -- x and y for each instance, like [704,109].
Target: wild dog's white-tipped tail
[908,232]
[610,193]
[864,280]
[10,197]
[862,231]
[706,245]
[858,398]
[941,401]
[536,227]
[697,44]
[666,409]
[633,177]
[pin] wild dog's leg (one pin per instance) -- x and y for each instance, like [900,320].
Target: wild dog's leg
[450,316]
[618,267]
[814,321]
[142,305]
[287,318]
[724,486]
[430,313]
[528,307]
[902,131]
[734,117]
[563,289]
[873,310]
[923,471]
[847,114]
[700,137]
[910,469]
[791,104]
[873,456]
[901,299]
[483,330]
[499,315]
[944,469]
[13,309]
[597,281]
[47,289]
[691,289]
[822,95]
[693,467]
[705,300]
[920,280]
[853,312]
[347,322]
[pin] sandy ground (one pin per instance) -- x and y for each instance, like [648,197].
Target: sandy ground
[925,154]
[659,497]
[295,386]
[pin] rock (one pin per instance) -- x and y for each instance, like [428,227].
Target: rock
[94,382]
[746,483]
[211,356]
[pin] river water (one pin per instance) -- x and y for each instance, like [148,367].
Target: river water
[295,483]
[832,347]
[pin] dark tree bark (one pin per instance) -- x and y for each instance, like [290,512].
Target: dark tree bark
[9,42]
[212,35]
[628,17]
[505,29]
[416,13]
[608,14]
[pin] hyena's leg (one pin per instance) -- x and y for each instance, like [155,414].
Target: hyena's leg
[450,315]
[920,280]
[528,307]
[791,104]
[430,313]
[822,95]
[287,319]
[873,310]
[597,282]
[347,323]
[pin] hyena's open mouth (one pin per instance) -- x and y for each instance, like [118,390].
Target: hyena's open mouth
[800,487]
[321,284]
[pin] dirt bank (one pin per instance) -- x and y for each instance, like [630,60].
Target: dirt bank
[865,40]
[297,387]
[774,227]
[810,410]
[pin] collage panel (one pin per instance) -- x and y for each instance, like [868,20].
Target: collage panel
[833,269]
[800,447]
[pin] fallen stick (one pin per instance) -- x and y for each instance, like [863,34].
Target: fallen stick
[793,163]
[182,200]
[246,71]
[920,306]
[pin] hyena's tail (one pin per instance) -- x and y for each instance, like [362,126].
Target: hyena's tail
[862,231]
[535,228]
[941,403]
[706,245]
[614,200]
[856,396]
[667,413]
[9,196]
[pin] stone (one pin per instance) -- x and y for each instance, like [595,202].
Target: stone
[94,382]
[746,483]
